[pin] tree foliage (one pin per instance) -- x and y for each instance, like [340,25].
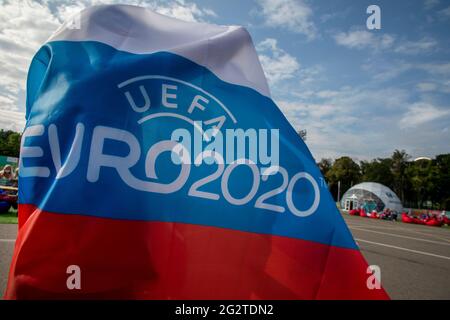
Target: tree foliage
[9,143]
[378,170]
[420,184]
[344,170]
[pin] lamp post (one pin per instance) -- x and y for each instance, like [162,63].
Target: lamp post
[339,191]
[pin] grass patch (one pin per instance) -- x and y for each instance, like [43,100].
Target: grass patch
[8,218]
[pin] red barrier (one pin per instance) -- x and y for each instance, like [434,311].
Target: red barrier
[434,223]
[406,218]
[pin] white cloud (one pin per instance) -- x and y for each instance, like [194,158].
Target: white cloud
[12,120]
[419,113]
[435,68]
[445,13]
[335,15]
[64,12]
[327,94]
[429,4]
[26,25]
[420,46]
[292,15]
[326,125]
[388,72]
[365,123]
[180,9]
[314,110]
[434,71]
[426,86]
[312,74]
[360,39]
[374,101]
[183,10]
[277,64]
[436,86]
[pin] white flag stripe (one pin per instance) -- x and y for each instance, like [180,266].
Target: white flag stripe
[224,50]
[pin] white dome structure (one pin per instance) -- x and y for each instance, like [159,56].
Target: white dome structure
[371,196]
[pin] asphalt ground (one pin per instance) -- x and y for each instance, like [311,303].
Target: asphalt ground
[414,260]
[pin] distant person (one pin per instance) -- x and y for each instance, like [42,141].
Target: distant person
[7,174]
[394,216]
[16,177]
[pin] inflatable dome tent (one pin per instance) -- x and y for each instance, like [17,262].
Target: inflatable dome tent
[371,196]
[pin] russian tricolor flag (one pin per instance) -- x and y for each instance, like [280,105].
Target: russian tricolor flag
[99,189]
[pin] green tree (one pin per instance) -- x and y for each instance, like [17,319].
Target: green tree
[378,170]
[9,143]
[423,176]
[346,171]
[440,177]
[442,190]
[14,144]
[398,168]
[325,166]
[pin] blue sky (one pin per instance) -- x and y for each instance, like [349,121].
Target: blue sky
[357,92]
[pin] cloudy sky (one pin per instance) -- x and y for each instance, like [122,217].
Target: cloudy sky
[356,91]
